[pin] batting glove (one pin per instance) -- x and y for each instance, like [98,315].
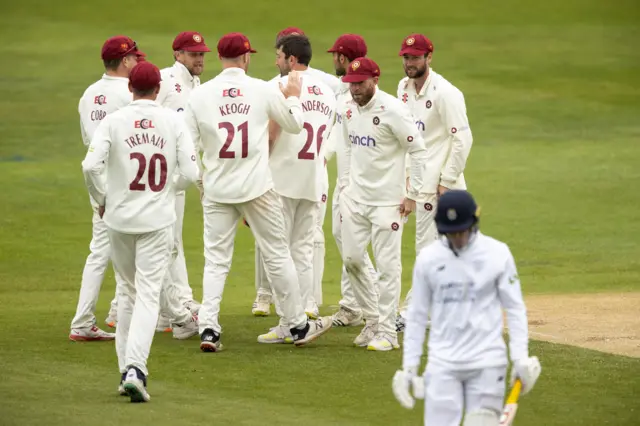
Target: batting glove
[404,381]
[528,370]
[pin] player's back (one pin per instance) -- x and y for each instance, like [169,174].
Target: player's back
[296,164]
[143,158]
[230,116]
[102,98]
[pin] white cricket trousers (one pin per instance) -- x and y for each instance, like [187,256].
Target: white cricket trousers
[92,276]
[449,394]
[266,220]
[382,226]
[300,218]
[348,299]
[426,232]
[143,261]
[175,289]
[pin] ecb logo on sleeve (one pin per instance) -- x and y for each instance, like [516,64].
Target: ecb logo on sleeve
[143,124]
[376,121]
[231,93]
[100,100]
[314,90]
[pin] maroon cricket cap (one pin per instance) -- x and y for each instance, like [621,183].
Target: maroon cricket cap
[144,76]
[416,45]
[350,45]
[233,45]
[290,31]
[190,41]
[361,69]
[118,47]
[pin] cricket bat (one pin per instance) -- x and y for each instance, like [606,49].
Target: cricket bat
[510,408]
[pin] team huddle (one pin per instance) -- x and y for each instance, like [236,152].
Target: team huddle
[257,151]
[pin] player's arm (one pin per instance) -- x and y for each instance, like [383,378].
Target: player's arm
[188,171]
[286,111]
[329,147]
[274,133]
[193,131]
[417,317]
[406,132]
[342,134]
[168,97]
[510,295]
[454,114]
[93,165]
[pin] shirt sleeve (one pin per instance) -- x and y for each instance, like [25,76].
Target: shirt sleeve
[188,171]
[417,318]
[408,135]
[454,114]
[93,165]
[193,131]
[510,294]
[168,97]
[344,168]
[287,112]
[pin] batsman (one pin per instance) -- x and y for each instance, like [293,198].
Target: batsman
[464,280]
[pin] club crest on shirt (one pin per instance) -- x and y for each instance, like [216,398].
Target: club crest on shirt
[428,104]
[409,138]
[376,121]
[395,226]
[428,206]
[454,130]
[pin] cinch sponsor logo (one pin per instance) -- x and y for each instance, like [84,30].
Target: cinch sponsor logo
[362,140]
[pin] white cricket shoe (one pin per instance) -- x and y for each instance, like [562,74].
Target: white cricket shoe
[312,312]
[163,325]
[383,342]
[90,334]
[112,319]
[193,306]
[313,330]
[262,306]
[186,330]
[367,334]
[135,385]
[347,318]
[276,334]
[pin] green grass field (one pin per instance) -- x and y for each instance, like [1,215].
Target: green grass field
[552,94]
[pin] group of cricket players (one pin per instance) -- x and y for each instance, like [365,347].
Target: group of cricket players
[257,151]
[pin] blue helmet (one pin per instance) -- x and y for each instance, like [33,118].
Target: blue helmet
[457,211]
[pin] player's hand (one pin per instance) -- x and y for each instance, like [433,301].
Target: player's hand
[528,370]
[294,85]
[245,222]
[101,211]
[404,382]
[442,190]
[407,207]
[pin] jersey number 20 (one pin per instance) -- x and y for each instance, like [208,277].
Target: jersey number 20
[154,186]
[306,153]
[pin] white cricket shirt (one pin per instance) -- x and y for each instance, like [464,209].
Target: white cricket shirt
[296,161]
[441,116]
[330,80]
[103,97]
[228,117]
[142,144]
[465,295]
[376,138]
[177,84]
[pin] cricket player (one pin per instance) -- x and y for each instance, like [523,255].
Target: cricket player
[346,48]
[297,166]
[378,132]
[463,281]
[262,303]
[229,118]
[441,116]
[189,49]
[107,95]
[139,147]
